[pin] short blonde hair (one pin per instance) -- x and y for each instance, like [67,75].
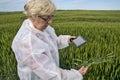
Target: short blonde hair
[39,7]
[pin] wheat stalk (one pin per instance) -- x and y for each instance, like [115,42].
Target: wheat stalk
[96,60]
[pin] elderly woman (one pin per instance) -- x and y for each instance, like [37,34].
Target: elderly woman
[36,46]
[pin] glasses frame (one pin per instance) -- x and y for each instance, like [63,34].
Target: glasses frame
[46,19]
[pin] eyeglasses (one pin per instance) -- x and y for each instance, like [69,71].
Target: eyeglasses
[46,18]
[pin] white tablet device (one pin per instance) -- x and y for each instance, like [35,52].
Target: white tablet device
[78,41]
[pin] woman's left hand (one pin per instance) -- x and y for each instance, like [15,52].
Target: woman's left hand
[83,70]
[70,38]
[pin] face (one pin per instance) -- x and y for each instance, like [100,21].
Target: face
[42,22]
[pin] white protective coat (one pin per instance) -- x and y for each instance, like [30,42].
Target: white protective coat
[37,54]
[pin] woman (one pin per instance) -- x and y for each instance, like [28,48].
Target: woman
[36,46]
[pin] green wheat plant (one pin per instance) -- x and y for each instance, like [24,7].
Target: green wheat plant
[97,60]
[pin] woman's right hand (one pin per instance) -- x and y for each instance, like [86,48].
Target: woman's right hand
[83,70]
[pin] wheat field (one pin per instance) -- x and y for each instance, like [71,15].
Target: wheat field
[101,29]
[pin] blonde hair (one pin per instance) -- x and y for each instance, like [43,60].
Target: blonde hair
[39,7]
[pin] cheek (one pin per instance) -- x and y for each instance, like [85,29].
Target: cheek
[40,22]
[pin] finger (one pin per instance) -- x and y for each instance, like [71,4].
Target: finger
[73,37]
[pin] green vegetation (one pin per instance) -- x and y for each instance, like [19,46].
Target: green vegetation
[101,29]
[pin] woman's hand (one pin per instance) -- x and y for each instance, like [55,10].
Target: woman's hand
[83,70]
[70,38]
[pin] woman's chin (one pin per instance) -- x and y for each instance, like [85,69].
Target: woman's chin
[45,26]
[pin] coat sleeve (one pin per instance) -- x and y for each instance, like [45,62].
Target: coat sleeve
[62,41]
[37,59]
[46,69]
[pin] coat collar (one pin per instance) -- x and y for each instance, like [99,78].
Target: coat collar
[38,33]
[32,28]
